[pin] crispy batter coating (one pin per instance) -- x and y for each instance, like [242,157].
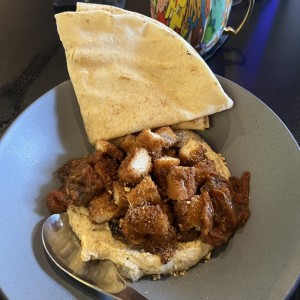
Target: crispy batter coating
[184,136]
[147,219]
[161,168]
[203,169]
[109,149]
[168,135]
[120,192]
[130,234]
[191,153]
[135,166]
[128,143]
[181,183]
[149,227]
[102,208]
[151,141]
[188,213]
[162,245]
[145,192]
[107,170]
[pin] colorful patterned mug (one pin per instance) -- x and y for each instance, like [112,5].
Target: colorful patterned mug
[200,22]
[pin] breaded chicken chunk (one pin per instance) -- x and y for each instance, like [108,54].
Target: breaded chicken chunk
[203,169]
[151,141]
[168,135]
[128,143]
[135,166]
[145,192]
[186,135]
[191,153]
[120,192]
[161,169]
[129,233]
[162,245]
[109,149]
[146,219]
[188,213]
[181,183]
[102,208]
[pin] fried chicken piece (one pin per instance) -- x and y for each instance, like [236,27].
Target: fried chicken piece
[162,245]
[185,136]
[110,149]
[120,192]
[151,141]
[188,213]
[169,137]
[146,219]
[181,183]
[128,143]
[191,153]
[203,169]
[135,166]
[161,168]
[149,227]
[107,170]
[102,208]
[129,232]
[145,192]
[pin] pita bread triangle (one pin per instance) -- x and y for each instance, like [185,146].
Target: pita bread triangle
[131,72]
[200,123]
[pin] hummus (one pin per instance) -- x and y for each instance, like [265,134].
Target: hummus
[98,243]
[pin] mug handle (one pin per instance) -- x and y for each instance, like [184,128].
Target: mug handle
[246,18]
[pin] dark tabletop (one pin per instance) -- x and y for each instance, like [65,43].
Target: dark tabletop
[264,57]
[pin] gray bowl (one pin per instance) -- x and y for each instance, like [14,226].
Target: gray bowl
[262,261]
